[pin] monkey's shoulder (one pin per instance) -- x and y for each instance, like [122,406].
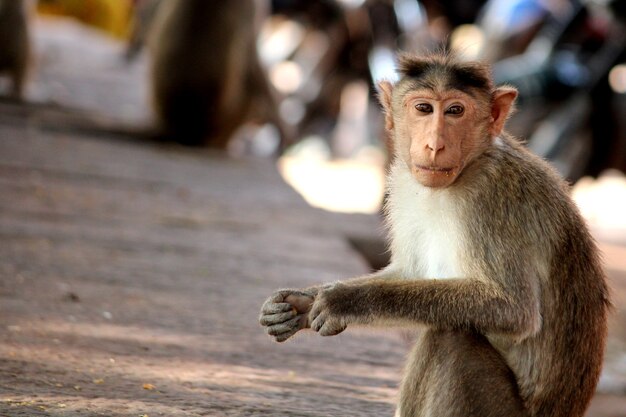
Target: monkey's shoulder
[521,199]
[513,178]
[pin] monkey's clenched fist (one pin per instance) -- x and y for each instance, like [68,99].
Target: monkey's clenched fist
[285,312]
[324,316]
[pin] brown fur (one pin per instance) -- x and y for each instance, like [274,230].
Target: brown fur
[522,332]
[206,76]
[458,373]
[567,352]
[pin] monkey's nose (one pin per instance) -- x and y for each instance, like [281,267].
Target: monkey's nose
[434,152]
[435,146]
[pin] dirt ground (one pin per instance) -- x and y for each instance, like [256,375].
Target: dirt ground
[131,275]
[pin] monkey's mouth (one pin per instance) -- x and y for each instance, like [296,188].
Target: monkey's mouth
[435,170]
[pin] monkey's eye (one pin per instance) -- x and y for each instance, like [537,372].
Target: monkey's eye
[424,108]
[455,109]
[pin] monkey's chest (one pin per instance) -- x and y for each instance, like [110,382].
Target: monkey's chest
[428,245]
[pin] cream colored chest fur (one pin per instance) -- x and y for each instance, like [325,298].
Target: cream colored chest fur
[426,238]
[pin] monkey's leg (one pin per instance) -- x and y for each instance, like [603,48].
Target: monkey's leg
[458,374]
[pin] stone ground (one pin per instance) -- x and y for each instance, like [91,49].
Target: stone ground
[131,274]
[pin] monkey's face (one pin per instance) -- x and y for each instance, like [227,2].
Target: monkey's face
[441,116]
[437,133]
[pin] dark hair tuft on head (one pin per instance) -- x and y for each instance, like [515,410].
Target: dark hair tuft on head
[457,74]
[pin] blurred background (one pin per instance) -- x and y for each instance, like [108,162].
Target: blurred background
[306,78]
[295,82]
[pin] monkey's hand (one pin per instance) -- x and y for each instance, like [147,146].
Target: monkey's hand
[326,316]
[284,313]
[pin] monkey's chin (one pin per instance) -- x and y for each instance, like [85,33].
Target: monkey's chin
[435,177]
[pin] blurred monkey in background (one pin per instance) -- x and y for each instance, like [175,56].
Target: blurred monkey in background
[207,79]
[15,43]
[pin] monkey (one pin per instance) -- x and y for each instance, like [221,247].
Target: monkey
[489,256]
[206,76]
[15,41]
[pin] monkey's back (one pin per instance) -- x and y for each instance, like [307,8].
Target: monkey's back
[199,50]
[13,36]
[531,212]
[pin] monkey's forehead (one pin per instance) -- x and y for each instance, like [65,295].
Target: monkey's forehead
[437,87]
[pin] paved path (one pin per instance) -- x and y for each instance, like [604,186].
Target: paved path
[132,276]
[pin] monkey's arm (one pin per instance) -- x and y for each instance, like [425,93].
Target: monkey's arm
[468,304]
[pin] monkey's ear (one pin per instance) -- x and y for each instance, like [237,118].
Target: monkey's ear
[386,88]
[501,107]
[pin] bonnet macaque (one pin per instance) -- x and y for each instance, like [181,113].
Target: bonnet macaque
[488,253]
[206,76]
[15,43]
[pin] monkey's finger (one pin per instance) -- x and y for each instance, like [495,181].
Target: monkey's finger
[277,297]
[284,336]
[275,308]
[318,322]
[272,319]
[285,327]
[314,313]
[331,329]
